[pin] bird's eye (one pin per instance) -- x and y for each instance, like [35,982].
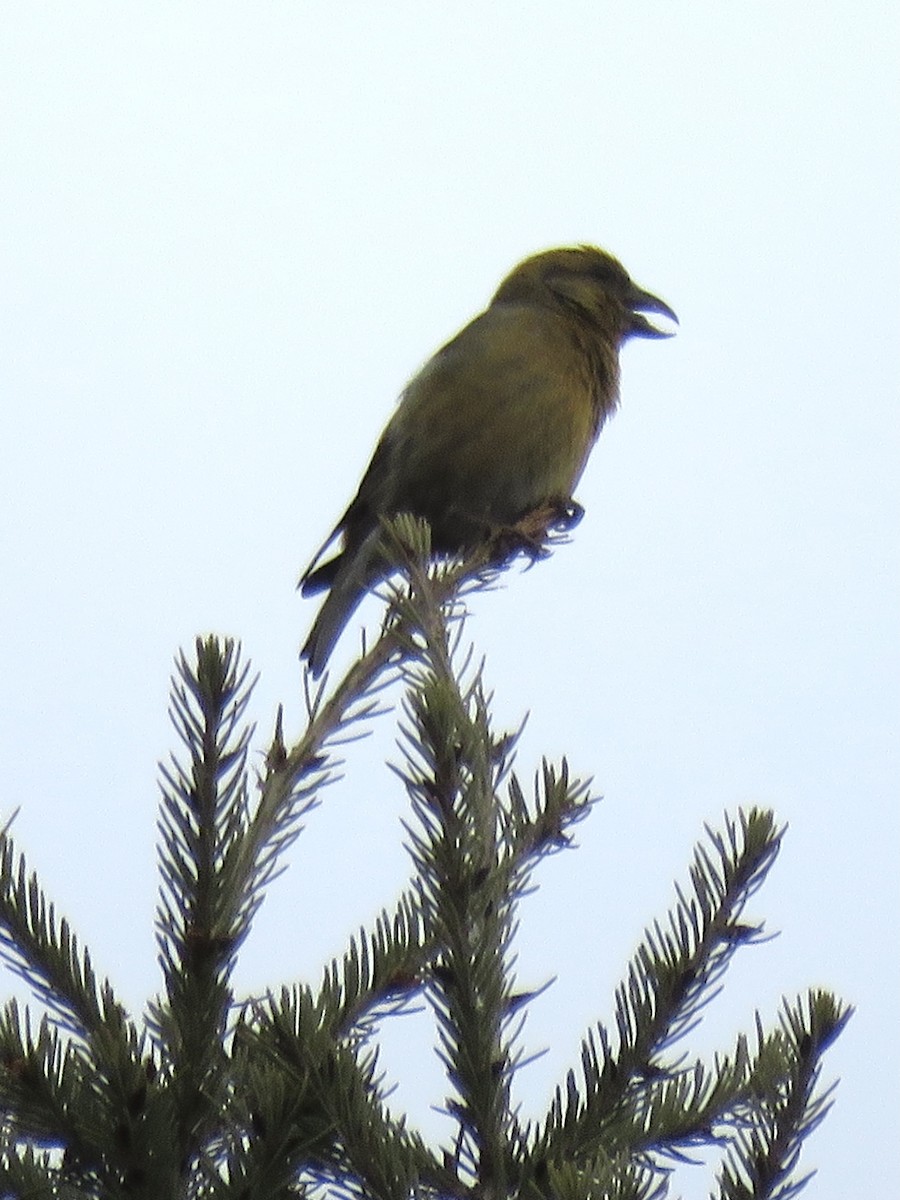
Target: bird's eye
[608,273]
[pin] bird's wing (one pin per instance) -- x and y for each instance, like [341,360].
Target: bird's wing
[498,420]
[354,527]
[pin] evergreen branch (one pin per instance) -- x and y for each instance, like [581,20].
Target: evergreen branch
[29,1174]
[294,776]
[46,954]
[39,1080]
[532,831]
[319,1103]
[374,1154]
[288,1047]
[597,1178]
[766,1146]
[76,1094]
[377,974]
[444,584]
[451,775]
[276,1127]
[303,1046]
[206,906]
[100,1124]
[684,1109]
[219,854]
[673,975]
[24,1172]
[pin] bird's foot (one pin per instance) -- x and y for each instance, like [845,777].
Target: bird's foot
[531,533]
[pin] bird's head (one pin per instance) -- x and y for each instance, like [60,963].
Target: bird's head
[589,282]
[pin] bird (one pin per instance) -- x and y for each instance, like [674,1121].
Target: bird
[498,424]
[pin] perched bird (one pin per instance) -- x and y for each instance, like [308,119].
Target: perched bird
[497,424]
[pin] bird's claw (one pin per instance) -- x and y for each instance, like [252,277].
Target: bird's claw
[531,533]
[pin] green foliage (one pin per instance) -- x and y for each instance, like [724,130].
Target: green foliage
[210,1096]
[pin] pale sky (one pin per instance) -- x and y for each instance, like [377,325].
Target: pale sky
[230,233]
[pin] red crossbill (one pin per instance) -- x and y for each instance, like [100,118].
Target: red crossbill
[497,424]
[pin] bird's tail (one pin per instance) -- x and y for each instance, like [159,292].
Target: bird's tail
[328,626]
[352,580]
